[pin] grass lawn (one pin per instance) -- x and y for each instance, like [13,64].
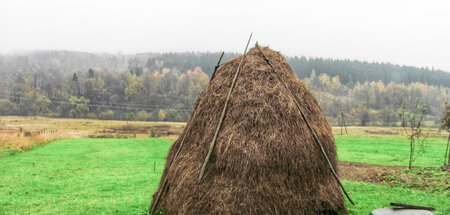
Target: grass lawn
[116,176]
[388,150]
[83,176]
[369,196]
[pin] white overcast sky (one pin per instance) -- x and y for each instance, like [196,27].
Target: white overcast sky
[403,32]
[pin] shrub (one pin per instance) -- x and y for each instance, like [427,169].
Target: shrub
[142,115]
[91,116]
[106,115]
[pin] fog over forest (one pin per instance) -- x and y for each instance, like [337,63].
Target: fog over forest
[164,86]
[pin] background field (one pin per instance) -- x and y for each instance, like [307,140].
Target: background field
[19,133]
[388,150]
[118,176]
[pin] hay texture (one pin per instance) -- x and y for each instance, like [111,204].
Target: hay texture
[265,160]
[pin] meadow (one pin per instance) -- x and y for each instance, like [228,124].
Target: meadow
[21,133]
[119,175]
[388,150]
[83,176]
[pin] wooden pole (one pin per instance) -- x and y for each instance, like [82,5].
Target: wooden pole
[224,110]
[406,206]
[343,121]
[411,149]
[308,124]
[217,66]
[155,203]
[447,155]
[164,185]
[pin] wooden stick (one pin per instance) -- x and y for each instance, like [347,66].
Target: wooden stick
[309,125]
[343,120]
[217,66]
[224,110]
[164,185]
[447,157]
[406,206]
[188,128]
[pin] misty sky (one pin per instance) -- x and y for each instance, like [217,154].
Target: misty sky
[402,31]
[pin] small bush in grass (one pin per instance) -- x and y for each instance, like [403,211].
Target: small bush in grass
[91,116]
[142,115]
[106,115]
[152,131]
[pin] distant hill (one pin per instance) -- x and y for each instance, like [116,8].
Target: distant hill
[349,71]
[164,86]
[352,71]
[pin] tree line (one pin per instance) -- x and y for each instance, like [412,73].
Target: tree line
[163,87]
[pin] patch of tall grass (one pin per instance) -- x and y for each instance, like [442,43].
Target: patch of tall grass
[19,141]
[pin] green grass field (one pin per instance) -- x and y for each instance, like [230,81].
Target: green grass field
[117,176]
[83,176]
[369,196]
[388,150]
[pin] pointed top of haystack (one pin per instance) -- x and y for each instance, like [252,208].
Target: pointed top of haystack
[265,160]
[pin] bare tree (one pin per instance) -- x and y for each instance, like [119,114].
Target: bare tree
[413,115]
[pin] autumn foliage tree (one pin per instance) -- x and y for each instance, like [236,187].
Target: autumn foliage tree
[138,87]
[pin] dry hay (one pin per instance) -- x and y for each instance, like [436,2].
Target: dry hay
[265,160]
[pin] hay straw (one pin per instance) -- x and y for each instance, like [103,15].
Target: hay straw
[265,160]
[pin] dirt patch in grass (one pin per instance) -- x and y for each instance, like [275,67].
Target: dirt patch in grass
[429,179]
[374,130]
[363,172]
[130,131]
[428,133]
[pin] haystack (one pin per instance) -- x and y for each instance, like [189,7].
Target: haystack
[265,160]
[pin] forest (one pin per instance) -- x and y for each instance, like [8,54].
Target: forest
[164,86]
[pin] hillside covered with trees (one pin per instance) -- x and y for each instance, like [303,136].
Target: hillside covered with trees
[155,86]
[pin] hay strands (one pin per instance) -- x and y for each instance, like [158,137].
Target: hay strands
[224,110]
[406,206]
[154,204]
[164,185]
[308,124]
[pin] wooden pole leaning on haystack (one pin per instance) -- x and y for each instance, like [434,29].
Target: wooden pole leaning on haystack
[164,185]
[307,123]
[224,110]
[217,66]
[155,202]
